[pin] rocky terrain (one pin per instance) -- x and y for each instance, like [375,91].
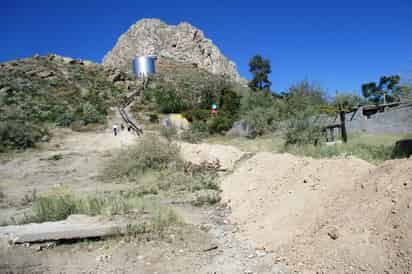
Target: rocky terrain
[182,43]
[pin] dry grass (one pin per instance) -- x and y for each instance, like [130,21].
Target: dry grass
[149,154]
[60,202]
[370,147]
[269,143]
[155,167]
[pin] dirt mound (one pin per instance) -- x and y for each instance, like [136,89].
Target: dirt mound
[198,153]
[337,216]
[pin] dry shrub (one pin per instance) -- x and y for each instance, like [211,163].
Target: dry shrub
[150,153]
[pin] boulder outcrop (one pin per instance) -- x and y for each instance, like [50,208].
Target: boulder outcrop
[180,43]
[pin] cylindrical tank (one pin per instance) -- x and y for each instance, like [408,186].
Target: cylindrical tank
[144,65]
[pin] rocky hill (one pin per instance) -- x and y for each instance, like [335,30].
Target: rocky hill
[182,43]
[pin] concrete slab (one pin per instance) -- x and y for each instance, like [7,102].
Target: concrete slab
[74,227]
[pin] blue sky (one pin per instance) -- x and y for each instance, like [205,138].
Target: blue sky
[337,44]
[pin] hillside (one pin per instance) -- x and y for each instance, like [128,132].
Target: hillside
[44,91]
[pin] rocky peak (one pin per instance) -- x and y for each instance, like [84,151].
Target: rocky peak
[182,43]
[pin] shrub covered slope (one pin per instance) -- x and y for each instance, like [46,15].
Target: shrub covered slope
[39,92]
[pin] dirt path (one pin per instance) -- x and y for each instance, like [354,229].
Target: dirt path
[72,158]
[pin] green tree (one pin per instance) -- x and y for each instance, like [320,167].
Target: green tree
[304,97]
[404,92]
[346,102]
[260,68]
[385,89]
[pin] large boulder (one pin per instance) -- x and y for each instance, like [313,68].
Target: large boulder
[241,129]
[175,120]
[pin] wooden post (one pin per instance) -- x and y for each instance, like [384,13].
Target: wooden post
[343,126]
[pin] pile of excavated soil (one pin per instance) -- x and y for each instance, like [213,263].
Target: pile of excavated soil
[340,215]
[198,153]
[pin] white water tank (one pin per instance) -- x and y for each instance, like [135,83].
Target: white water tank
[144,66]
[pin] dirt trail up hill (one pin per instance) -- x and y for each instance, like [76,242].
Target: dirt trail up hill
[339,215]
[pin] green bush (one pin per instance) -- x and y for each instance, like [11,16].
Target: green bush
[260,120]
[65,119]
[153,118]
[19,135]
[220,123]
[169,101]
[262,111]
[304,97]
[301,131]
[229,101]
[200,127]
[54,207]
[197,115]
[254,100]
[89,114]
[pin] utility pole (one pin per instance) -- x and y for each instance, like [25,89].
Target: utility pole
[343,126]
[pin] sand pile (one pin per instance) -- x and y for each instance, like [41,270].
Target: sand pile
[339,215]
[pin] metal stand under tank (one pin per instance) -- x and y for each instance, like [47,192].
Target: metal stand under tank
[144,66]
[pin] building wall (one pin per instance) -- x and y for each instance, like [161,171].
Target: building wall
[393,121]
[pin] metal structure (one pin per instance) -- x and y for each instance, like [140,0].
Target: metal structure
[127,101]
[144,66]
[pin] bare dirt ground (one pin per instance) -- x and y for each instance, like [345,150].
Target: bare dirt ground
[286,214]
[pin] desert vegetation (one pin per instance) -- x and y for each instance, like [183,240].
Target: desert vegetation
[155,166]
[68,94]
[40,93]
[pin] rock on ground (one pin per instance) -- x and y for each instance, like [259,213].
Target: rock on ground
[241,129]
[175,120]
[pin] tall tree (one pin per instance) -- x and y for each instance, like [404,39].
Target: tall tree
[260,68]
[385,89]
